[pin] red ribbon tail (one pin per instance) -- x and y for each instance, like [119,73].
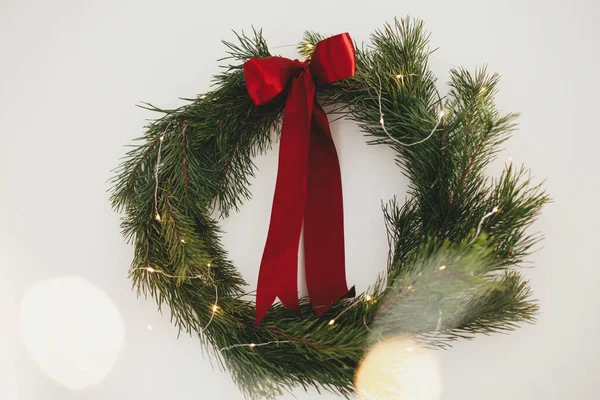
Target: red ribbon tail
[278,276]
[277,279]
[324,219]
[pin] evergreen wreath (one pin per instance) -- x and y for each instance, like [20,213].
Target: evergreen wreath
[455,242]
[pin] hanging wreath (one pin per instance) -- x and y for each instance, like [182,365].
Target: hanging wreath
[454,243]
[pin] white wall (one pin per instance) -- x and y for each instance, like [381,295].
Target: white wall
[70,74]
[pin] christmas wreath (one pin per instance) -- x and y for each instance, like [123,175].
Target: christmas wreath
[455,242]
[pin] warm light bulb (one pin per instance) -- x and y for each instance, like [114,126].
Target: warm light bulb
[442,113]
[399,76]
[442,267]
[332,322]
[215,308]
[495,210]
[368,297]
[202,96]
[208,265]
[161,138]
[381,120]
[157,216]
[182,240]
[150,269]
[252,345]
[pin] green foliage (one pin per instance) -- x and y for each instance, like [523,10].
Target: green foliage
[451,272]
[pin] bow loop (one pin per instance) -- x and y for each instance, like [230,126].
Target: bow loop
[333,59]
[267,77]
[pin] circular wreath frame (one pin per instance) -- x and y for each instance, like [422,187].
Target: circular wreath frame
[454,243]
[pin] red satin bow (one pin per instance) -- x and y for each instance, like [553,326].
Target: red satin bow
[309,185]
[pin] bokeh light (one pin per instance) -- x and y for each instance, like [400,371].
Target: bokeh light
[398,368]
[72,329]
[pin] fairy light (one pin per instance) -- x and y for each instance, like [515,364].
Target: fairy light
[254,345]
[215,306]
[442,267]
[202,96]
[402,76]
[486,216]
[331,322]
[182,240]
[439,321]
[156,168]
[368,297]
[160,272]
[441,116]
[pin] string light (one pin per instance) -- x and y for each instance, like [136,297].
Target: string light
[182,240]
[442,267]
[253,345]
[402,76]
[486,216]
[202,96]
[215,306]
[441,116]
[439,321]
[368,297]
[160,142]
[331,322]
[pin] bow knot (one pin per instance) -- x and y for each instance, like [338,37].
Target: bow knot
[308,189]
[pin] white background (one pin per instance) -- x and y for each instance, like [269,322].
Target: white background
[71,72]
